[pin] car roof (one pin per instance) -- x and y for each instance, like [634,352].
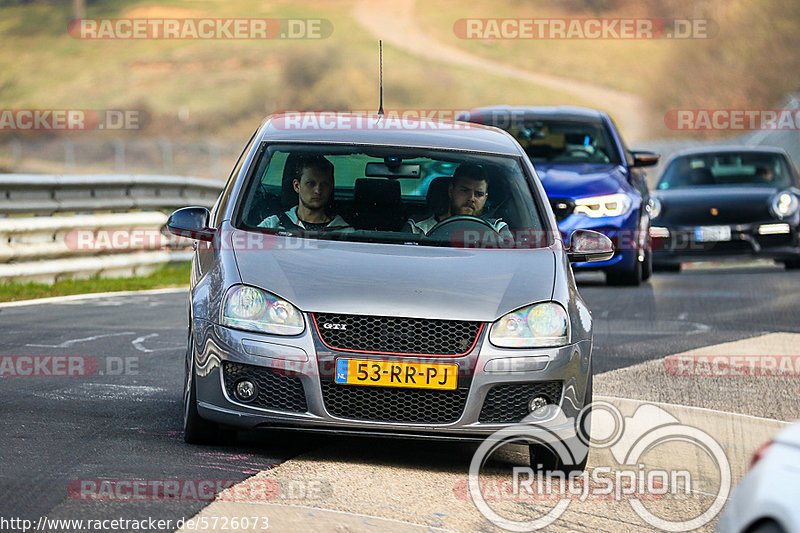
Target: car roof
[389,130]
[729,148]
[530,112]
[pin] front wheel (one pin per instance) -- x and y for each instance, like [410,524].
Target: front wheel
[647,266]
[196,430]
[667,267]
[550,460]
[792,264]
[632,277]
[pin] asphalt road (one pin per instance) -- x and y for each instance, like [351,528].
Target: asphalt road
[122,421]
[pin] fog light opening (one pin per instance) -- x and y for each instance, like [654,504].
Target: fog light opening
[538,404]
[245,390]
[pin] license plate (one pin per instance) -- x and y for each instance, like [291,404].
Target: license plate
[712,233]
[397,374]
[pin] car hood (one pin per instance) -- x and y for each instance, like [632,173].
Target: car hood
[578,180]
[395,280]
[733,205]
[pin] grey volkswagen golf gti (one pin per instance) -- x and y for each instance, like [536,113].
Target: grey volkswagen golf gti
[330,294]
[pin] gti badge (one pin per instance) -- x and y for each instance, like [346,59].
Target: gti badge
[335,326]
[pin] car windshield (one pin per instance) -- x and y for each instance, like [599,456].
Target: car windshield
[566,141]
[726,169]
[392,195]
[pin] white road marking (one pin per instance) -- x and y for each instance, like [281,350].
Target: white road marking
[67,344]
[693,408]
[92,296]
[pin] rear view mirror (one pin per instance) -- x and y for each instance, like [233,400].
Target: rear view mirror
[399,170]
[588,245]
[191,222]
[645,159]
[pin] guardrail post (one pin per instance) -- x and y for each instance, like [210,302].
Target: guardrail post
[166,154]
[69,156]
[119,155]
[215,154]
[16,154]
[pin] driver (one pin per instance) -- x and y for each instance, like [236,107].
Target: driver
[467,192]
[313,184]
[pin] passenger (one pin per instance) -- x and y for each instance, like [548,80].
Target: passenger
[314,185]
[765,174]
[467,192]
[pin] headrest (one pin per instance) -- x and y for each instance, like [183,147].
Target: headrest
[288,194]
[437,198]
[377,192]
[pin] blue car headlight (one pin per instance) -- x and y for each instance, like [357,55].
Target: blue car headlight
[610,205]
[252,309]
[535,326]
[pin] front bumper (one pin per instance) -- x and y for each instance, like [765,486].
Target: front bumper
[683,244]
[299,372]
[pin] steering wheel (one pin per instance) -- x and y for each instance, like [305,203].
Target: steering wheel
[577,152]
[465,227]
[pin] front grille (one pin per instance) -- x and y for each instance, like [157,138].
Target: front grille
[385,404]
[274,391]
[508,403]
[562,208]
[378,334]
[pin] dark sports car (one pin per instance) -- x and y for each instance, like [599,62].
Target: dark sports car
[726,202]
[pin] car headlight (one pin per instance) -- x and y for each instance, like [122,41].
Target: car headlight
[655,207]
[784,204]
[545,324]
[256,310]
[612,205]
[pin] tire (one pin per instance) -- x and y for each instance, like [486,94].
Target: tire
[196,430]
[647,266]
[792,264]
[667,267]
[544,455]
[631,278]
[766,526]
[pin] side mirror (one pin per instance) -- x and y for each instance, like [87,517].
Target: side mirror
[191,222]
[588,245]
[644,158]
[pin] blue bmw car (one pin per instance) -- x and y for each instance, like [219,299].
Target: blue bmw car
[593,181]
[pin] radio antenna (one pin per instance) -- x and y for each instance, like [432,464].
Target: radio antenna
[380,62]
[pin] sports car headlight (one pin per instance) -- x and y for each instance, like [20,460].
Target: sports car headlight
[534,326]
[612,205]
[784,204]
[256,310]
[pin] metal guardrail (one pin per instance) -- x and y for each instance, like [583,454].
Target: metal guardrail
[46,195]
[54,226]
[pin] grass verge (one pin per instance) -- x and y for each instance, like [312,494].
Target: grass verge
[174,275]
